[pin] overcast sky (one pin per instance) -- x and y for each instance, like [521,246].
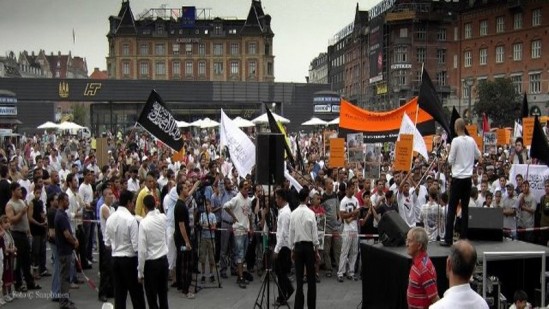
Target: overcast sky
[302,27]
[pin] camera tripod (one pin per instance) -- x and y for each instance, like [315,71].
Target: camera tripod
[264,294]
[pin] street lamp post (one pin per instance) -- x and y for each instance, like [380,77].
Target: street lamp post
[469,82]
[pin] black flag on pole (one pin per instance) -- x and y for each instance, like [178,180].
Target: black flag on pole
[429,102]
[273,125]
[159,121]
[540,147]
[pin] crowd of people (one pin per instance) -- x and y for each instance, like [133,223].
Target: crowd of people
[158,217]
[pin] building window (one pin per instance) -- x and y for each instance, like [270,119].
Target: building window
[536,49]
[202,49]
[517,82]
[500,24]
[160,68]
[442,78]
[144,69]
[483,56]
[466,90]
[267,49]
[188,68]
[441,56]
[468,59]
[421,33]
[517,52]
[159,49]
[500,54]
[536,17]
[218,49]
[175,49]
[144,49]
[468,30]
[218,30]
[218,68]
[126,68]
[403,32]
[125,49]
[202,68]
[189,49]
[535,83]
[252,68]
[441,34]
[517,21]
[176,68]
[401,54]
[421,54]
[400,77]
[234,67]
[252,48]
[270,70]
[483,27]
[234,49]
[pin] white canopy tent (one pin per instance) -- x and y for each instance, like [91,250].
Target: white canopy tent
[243,123]
[335,121]
[48,125]
[265,119]
[68,125]
[204,123]
[314,122]
[183,124]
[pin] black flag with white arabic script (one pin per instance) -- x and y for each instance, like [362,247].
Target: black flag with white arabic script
[159,121]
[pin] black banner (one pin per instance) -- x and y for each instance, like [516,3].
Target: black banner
[159,121]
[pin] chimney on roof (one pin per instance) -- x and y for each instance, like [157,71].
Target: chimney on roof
[51,53]
[59,53]
[32,53]
[96,69]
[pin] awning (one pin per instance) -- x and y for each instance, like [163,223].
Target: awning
[10,121]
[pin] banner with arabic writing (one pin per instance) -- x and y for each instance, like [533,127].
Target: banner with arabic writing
[159,121]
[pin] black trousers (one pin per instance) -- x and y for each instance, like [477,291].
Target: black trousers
[460,192]
[282,268]
[125,279]
[183,269]
[106,287]
[304,254]
[23,260]
[83,248]
[156,283]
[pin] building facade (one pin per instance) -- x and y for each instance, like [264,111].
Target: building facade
[31,65]
[185,44]
[318,70]
[460,43]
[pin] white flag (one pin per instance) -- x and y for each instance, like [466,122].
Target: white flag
[408,127]
[241,148]
[518,130]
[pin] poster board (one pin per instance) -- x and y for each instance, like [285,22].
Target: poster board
[480,142]
[326,136]
[403,153]
[503,136]
[429,142]
[527,130]
[337,152]
[472,129]
[372,161]
[101,151]
[355,151]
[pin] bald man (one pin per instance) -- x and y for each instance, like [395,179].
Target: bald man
[463,153]
[459,269]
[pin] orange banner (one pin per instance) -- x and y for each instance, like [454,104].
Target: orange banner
[337,152]
[403,153]
[503,136]
[383,126]
[527,130]
[472,129]
[479,141]
[429,142]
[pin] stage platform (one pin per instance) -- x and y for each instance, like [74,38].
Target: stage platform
[385,270]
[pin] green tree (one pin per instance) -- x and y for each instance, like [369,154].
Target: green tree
[499,101]
[79,113]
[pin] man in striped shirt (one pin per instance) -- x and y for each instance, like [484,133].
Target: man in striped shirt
[422,284]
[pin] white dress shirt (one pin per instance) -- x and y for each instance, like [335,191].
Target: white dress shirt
[283,228]
[303,226]
[463,153]
[122,233]
[86,193]
[460,296]
[152,239]
[133,185]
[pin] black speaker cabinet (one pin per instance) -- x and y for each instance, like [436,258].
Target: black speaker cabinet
[485,224]
[392,229]
[269,159]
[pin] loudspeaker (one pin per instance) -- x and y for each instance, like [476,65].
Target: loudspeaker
[269,158]
[485,224]
[392,229]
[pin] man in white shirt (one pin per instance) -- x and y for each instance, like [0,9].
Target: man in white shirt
[348,212]
[463,153]
[409,208]
[133,182]
[459,268]
[282,253]
[86,194]
[303,239]
[152,264]
[122,237]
